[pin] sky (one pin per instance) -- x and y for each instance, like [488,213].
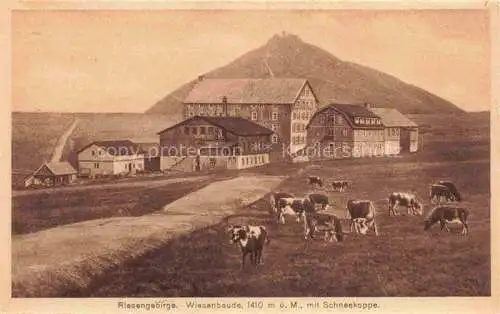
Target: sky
[125,61]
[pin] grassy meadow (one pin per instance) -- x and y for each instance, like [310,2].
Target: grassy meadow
[403,261]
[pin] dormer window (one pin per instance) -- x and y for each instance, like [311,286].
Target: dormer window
[356,120]
[274,116]
[254,115]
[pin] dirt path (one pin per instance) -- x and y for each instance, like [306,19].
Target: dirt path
[49,262]
[128,184]
[61,142]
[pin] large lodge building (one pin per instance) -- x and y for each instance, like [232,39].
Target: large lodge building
[284,106]
[241,123]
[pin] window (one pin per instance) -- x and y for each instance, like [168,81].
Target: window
[202,130]
[254,115]
[274,138]
[100,153]
[356,120]
[340,120]
[274,127]
[344,132]
[92,153]
[302,115]
[191,114]
[321,119]
[96,165]
[210,130]
[331,131]
[274,116]
[194,130]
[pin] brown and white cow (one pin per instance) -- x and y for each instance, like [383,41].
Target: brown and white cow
[315,180]
[408,200]
[275,197]
[341,185]
[445,214]
[293,206]
[251,240]
[319,199]
[362,214]
[438,192]
[321,222]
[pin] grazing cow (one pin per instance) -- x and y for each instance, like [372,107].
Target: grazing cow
[318,198]
[329,224]
[405,199]
[439,191]
[313,180]
[275,197]
[251,240]
[362,214]
[453,189]
[445,214]
[341,185]
[290,206]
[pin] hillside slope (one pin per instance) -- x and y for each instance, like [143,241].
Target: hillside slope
[333,80]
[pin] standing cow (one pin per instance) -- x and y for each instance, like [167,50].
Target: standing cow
[296,207]
[438,192]
[321,222]
[453,189]
[341,185]
[315,180]
[319,199]
[445,214]
[275,197]
[251,240]
[362,214]
[405,199]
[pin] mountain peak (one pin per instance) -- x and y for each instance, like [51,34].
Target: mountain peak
[284,39]
[285,55]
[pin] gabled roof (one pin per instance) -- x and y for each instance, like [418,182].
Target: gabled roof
[116,147]
[58,168]
[246,91]
[393,118]
[355,110]
[349,111]
[236,125]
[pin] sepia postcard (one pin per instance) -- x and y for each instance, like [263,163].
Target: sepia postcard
[264,157]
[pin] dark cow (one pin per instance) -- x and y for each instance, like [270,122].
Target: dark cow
[341,185]
[445,214]
[405,199]
[251,240]
[362,214]
[320,222]
[291,206]
[315,180]
[275,197]
[439,191]
[453,189]
[319,199]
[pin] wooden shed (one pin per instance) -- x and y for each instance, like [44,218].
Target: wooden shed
[52,174]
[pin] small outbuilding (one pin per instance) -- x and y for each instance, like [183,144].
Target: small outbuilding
[52,174]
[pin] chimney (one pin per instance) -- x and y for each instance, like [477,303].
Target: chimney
[224,105]
[201,78]
[368,105]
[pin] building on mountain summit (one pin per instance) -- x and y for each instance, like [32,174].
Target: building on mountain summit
[284,105]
